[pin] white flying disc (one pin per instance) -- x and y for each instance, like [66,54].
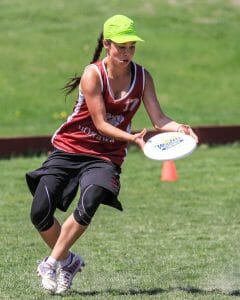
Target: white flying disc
[169,146]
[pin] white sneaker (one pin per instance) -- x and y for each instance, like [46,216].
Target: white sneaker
[48,274]
[67,273]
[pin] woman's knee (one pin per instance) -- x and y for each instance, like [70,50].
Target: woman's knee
[43,208]
[90,199]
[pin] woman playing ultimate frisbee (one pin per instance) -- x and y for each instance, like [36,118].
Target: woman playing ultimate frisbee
[89,148]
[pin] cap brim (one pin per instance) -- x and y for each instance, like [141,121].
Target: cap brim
[127,38]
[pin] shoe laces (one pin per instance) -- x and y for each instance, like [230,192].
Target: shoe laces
[64,278]
[49,271]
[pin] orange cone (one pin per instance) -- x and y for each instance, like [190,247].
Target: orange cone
[169,172]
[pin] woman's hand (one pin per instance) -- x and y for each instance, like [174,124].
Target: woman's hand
[138,138]
[187,130]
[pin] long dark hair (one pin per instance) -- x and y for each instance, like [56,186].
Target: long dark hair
[74,81]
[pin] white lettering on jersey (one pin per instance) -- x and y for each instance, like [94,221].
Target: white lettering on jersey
[87,131]
[114,120]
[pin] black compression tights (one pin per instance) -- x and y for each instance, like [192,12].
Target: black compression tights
[90,198]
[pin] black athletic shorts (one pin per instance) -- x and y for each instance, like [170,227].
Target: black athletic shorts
[78,170]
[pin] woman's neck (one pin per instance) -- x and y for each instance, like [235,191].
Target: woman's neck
[115,70]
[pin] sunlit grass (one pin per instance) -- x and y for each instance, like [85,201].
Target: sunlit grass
[191,48]
[174,240]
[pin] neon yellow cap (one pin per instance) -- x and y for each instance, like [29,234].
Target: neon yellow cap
[120,29]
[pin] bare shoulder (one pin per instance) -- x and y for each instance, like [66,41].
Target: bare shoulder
[90,78]
[148,76]
[90,73]
[149,84]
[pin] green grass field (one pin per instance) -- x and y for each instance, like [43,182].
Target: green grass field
[176,240]
[191,49]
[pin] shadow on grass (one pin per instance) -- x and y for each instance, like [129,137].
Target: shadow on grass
[155,291]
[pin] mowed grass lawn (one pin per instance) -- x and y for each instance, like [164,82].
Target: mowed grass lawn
[191,48]
[174,240]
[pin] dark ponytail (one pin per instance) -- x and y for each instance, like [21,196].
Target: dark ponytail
[98,49]
[74,81]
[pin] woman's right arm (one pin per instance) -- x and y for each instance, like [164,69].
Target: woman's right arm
[91,89]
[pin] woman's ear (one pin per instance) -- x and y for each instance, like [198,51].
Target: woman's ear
[106,44]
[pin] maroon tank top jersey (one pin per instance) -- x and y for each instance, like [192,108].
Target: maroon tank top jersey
[79,135]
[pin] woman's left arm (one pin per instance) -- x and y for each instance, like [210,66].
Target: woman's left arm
[159,120]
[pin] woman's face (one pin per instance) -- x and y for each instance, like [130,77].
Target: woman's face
[121,53]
